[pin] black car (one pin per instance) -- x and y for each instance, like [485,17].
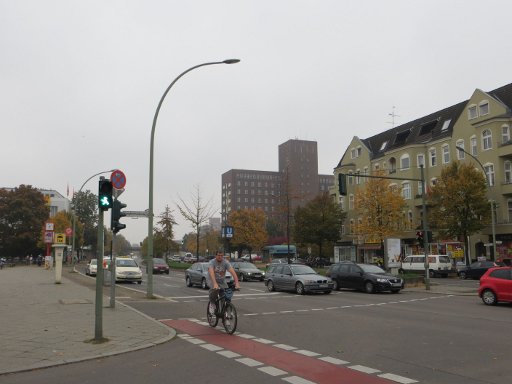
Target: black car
[364,277]
[247,271]
[476,270]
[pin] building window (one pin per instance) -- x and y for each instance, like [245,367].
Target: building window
[505,134]
[446,154]
[406,190]
[472,112]
[405,162]
[358,179]
[432,153]
[351,202]
[507,166]
[474,150]
[460,154]
[350,178]
[486,139]
[420,160]
[409,220]
[489,174]
[509,204]
[484,108]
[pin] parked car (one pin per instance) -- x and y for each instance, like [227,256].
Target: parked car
[127,269]
[247,271]
[496,285]
[92,267]
[251,258]
[197,274]
[175,258]
[160,266]
[476,270]
[438,265]
[364,277]
[296,277]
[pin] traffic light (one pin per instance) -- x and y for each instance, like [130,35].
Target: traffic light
[419,237]
[104,195]
[342,184]
[115,225]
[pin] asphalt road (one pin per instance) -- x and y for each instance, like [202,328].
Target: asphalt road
[414,336]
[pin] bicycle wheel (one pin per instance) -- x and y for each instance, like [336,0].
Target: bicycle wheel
[210,315]
[229,318]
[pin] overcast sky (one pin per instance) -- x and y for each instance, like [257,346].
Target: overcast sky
[80,82]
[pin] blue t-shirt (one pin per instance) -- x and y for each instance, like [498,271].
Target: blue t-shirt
[220,272]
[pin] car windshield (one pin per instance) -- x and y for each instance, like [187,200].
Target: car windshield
[126,263]
[93,262]
[371,268]
[302,270]
[248,266]
[444,259]
[159,261]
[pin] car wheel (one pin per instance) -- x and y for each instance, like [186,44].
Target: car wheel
[188,281]
[167,272]
[368,287]
[489,297]
[139,282]
[203,284]
[431,273]
[401,271]
[327,292]
[395,290]
[270,286]
[462,275]
[299,288]
[335,286]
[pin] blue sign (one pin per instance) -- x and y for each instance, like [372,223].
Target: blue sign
[227,232]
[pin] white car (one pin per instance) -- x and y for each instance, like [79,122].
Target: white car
[91,268]
[127,269]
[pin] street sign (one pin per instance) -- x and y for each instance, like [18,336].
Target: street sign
[118,179]
[69,231]
[49,226]
[60,238]
[48,237]
[227,232]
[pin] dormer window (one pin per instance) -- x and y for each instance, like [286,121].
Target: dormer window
[383,146]
[483,108]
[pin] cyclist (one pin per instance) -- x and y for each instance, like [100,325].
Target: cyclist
[217,272]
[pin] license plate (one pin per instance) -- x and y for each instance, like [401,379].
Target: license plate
[324,285]
[396,285]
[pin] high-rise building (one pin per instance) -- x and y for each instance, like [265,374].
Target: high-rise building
[297,182]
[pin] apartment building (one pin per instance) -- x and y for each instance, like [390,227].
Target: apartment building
[481,125]
[296,181]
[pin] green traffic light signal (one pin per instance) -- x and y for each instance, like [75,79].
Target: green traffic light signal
[104,194]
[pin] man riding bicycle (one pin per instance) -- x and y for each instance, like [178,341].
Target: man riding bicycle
[217,275]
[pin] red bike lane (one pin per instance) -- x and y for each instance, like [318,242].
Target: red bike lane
[306,367]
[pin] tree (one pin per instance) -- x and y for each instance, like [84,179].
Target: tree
[23,212]
[165,231]
[459,206]
[85,206]
[379,206]
[249,229]
[197,214]
[318,222]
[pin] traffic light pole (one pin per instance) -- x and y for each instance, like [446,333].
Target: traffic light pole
[98,319]
[112,273]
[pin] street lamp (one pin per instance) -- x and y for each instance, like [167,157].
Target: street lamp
[150,210]
[74,215]
[493,228]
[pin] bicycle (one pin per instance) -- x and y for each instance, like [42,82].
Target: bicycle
[223,309]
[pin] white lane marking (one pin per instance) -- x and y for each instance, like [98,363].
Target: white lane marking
[286,311]
[306,352]
[297,380]
[246,336]
[212,347]
[398,379]
[333,360]
[272,371]
[264,341]
[228,354]
[362,368]
[193,340]
[285,347]
[249,362]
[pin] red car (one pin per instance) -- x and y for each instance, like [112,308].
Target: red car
[496,285]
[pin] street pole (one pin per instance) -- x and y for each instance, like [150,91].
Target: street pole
[98,319]
[491,201]
[424,224]
[74,217]
[149,261]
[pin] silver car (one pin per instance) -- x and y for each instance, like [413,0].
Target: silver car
[197,274]
[296,277]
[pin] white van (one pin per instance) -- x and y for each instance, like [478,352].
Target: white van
[437,264]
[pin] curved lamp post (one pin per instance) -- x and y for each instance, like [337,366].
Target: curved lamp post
[149,262]
[74,215]
[491,201]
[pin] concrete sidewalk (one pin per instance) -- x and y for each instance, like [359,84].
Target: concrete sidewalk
[44,324]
